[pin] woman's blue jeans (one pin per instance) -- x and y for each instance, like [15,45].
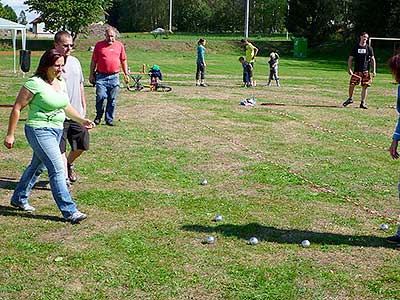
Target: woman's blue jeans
[46,153]
[107,87]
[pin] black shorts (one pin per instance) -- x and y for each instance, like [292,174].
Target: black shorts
[77,136]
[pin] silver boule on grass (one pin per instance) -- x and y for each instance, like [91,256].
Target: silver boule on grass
[384,226]
[305,243]
[204,182]
[210,240]
[253,241]
[218,218]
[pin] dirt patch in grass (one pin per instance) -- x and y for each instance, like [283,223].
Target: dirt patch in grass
[76,236]
[351,261]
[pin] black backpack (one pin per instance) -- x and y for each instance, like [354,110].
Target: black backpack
[25,60]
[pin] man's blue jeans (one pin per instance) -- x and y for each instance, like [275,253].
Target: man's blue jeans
[46,153]
[107,87]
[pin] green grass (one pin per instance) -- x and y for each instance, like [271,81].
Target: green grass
[268,169]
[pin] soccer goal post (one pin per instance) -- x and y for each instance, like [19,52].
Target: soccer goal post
[396,41]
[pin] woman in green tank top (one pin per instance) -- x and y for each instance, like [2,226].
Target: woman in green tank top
[46,96]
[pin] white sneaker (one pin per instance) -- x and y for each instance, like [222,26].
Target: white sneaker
[25,207]
[77,217]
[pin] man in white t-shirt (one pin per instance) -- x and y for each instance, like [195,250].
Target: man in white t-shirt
[77,135]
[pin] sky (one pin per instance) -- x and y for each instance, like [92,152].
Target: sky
[18,6]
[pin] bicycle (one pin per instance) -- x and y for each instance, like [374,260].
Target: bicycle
[154,87]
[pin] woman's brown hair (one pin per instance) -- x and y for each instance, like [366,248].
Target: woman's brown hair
[394,65]
[46,61]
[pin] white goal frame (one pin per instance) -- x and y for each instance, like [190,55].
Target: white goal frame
[383,39]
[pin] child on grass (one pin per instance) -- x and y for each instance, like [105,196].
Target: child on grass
[155,73]
[273,68]
[247,72]
[201,63]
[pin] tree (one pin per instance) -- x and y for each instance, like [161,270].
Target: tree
[139,15]
[376,12]
[6,12]
[383,17]
[268,16]
[198,15]
[22,18]
[394,19]
[318,20]
[72,15]
[227,16]
[192,15]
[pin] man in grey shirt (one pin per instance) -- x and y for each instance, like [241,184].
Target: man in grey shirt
[77,135]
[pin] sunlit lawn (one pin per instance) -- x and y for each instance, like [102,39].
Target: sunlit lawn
[298,167]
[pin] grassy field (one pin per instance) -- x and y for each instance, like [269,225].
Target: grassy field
[296,166]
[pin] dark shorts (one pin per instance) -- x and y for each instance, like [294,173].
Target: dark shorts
[77,136]
[363,77]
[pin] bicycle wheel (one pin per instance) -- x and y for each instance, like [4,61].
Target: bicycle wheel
[163,88]
[135,88]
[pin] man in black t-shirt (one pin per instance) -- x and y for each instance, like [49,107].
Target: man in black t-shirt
[363,56]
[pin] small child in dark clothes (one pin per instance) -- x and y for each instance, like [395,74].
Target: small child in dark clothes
[155,73]
[247,72]
[273,68]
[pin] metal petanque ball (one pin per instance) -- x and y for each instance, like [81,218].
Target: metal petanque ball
[218,218]
[305,243]
[204,182]
[384,226]
[210,240]
[253,241]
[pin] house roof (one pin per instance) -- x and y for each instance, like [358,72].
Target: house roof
[36,20]
[7,24]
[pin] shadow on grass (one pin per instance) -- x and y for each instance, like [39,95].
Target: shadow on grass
[320,105]
[302,105]
[289,236]
[9,211]
[8,183]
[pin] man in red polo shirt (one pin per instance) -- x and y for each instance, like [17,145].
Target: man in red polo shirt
[108,56]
